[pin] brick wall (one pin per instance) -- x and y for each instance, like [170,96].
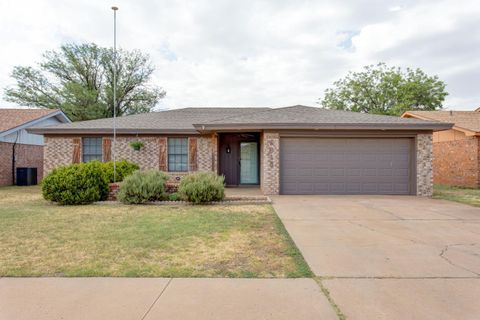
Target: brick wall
[214,139]
[26,156]
[424,165]
[58,151]
[5,164]
[146,158]
[456,162]
[270,163]
[207,153]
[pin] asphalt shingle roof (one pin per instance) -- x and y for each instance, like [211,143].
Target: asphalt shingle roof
[198,119]
[178,119]
[12,118]
[469,120]
[312,115]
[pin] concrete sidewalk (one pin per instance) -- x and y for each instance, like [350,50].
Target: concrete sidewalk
[158,298]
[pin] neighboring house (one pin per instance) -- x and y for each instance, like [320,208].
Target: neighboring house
[456,152]
[18,148]
[291,150]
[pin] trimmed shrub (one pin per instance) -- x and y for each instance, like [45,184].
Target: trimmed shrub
[202,187]
[123,168]
[174,197]
[75,184]
[143,186]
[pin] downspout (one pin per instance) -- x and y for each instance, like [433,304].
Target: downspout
[13,158]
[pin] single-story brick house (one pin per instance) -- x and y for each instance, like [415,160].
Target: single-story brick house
[290,150]
[18,148]
[456,152]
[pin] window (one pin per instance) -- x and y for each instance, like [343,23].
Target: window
[91,149]
[177,154]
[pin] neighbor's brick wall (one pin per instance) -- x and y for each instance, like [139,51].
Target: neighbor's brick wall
[5,164]
[26,156]
[456,162]
[270,163]
[424,165]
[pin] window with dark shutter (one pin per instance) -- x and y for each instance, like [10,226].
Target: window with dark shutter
[91,149]
[177,154]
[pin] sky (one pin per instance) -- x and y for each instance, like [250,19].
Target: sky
[257,53]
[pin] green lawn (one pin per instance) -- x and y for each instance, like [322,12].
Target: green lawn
[464,195]
[38,238]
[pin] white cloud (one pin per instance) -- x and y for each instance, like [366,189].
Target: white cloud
[277,52]
[395,8]
[441,37]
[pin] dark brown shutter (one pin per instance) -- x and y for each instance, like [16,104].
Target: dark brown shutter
[107,149]
[192,154]
[77,156]
[162,157]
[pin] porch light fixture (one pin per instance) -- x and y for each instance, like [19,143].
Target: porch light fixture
[228,150]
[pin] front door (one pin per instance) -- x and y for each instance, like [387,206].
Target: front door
[248,163]
[238,156]
[229,159]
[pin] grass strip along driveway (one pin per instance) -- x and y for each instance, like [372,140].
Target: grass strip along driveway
[469,196]
[38,238]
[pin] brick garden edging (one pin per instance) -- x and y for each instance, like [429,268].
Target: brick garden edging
[227,201]
[114,187]
[112,191]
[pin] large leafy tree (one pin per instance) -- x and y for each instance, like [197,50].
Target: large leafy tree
[386,90]
[78,79]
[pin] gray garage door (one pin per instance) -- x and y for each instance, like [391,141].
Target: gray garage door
[345,166]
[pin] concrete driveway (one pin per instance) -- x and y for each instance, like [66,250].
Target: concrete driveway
[390,257]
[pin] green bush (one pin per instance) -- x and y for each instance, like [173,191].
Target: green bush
[174,197]
[76,184]
[123,168]
[202,187]
[143,186]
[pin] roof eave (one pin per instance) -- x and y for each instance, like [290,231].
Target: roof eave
[323,126]
[470,132]
[55,131]
[197,128]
